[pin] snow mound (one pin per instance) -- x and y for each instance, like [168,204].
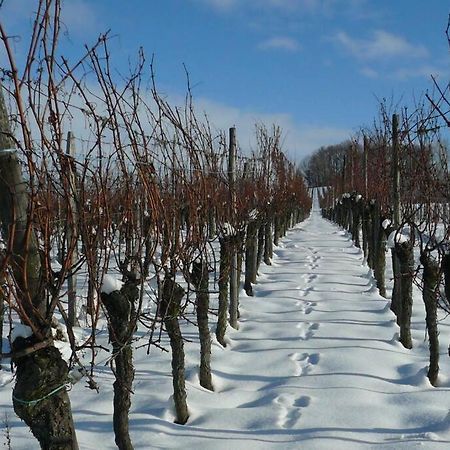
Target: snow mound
[110,284]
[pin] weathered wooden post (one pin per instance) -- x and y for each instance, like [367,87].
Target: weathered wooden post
[234,276]
[395,172]
[72,235]
[364,208]
[396,293]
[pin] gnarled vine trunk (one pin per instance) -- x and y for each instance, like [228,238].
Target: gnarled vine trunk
[39,395]
[406,263]
[121,309]
[268,247]
[251,256]
[199,278]
[172,294]
[429,295]
[260,252]
[224,277]
[40,398]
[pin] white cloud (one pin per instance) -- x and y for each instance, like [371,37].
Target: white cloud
[220,5]
[300,140]
[322,7]
[369,72]
[381,45]
[280,43]
[421,71]
[305,5]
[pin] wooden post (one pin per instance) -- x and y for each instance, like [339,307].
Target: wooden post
[364,207]
[344,173]
[72,235]
[395,172]
[352,166]
[234,276]
[396,292]
[365,168]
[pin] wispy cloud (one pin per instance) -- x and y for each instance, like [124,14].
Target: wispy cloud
[280,43]
[369,72]
[421,71]
[221,5]
[322,7]
[381,45]
[300,139]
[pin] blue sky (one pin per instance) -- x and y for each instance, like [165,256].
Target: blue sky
[315,67]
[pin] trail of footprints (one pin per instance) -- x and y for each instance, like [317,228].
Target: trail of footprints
[290,406]
[290,409]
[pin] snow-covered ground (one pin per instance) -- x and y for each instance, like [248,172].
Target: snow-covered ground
[315,365]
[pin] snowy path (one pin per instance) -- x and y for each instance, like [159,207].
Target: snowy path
[315,365]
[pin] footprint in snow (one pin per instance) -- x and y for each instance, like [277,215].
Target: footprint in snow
[305,307]
[306,329]
[304,292]
[290,409]
[304,362]
[309,278]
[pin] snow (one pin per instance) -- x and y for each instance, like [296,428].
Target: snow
[21,330]
[398,237]
[61,340]
[316,364]
[110,284]
[386,224]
